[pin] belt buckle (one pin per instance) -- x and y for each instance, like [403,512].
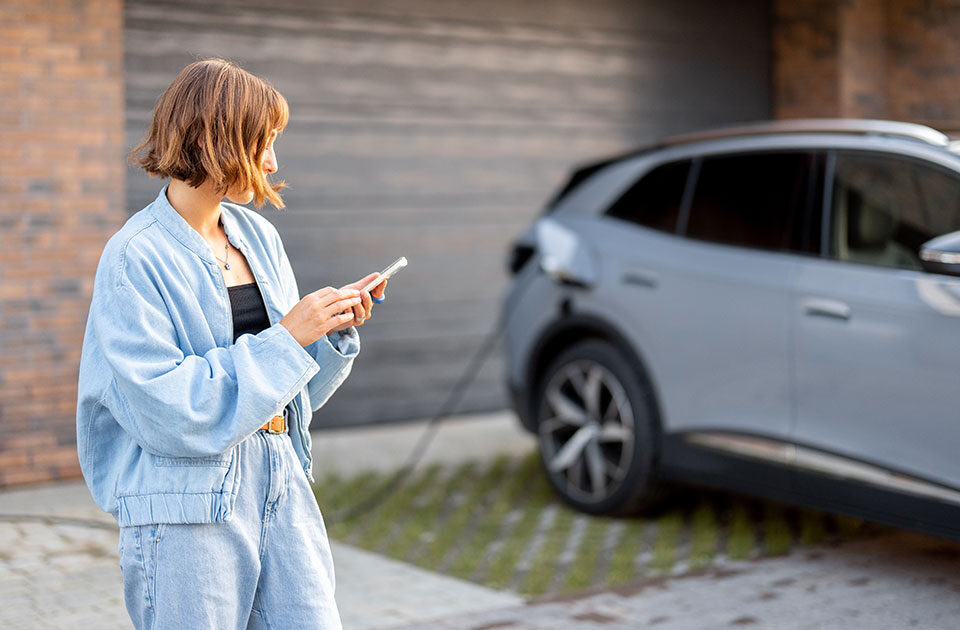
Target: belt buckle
[275,421]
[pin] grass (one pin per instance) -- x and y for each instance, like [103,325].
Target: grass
[581,571]
[542,570]
[704,536]
[665,544]
[623,564]
[500,524]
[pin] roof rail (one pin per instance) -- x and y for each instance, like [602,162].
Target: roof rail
[818,125]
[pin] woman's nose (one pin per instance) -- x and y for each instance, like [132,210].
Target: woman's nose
[270,162]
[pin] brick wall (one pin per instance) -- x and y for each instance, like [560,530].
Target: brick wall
[61,196]
[894,59]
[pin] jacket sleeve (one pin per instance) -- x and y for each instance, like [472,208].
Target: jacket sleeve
[334,354]
[187,405]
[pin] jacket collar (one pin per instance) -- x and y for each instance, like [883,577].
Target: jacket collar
[170,219]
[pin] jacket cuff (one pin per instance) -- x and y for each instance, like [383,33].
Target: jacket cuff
[293,364]
[334,355]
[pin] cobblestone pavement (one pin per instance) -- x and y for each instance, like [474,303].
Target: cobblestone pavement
[889,583]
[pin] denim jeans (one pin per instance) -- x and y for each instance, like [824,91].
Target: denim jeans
[268,567]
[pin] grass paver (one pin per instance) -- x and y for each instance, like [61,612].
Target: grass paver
[741,540]
[500,524]
[777,536]
[334,495]
[473,550]
[704,536]
[436,551]
[665,544]
[425,516]
[541,571]
[584,565]
[812,529]
[623,564]
[396,508]
[503,564]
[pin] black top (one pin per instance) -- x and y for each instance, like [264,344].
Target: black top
[249,311]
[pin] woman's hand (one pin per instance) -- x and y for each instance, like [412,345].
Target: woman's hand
[322,312]
[362,311]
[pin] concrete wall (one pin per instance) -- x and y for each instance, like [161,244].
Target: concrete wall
[437,130]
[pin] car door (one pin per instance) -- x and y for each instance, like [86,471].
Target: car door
[708,302]
[877,346]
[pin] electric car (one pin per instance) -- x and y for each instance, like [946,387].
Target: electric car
[772,309]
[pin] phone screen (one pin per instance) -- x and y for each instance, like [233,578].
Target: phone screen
[393,268]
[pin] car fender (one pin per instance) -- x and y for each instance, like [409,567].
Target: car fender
[570,328]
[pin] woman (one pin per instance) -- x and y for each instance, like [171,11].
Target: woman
[201,366]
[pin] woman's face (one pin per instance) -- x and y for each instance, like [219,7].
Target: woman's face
[268,164]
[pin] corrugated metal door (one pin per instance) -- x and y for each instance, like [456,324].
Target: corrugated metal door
[436,130]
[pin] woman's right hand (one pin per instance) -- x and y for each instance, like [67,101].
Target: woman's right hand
[320,312]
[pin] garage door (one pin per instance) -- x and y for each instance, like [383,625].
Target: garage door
[436,130]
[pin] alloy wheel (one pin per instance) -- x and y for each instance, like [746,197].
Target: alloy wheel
[586,430]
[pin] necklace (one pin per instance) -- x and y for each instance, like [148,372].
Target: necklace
[226,253]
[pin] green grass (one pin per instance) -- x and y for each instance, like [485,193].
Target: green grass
[812,531]
[474,548]
[777,537]
[334,494]
[541,572]
[704,535]
[423,518]
[740,541]
[503,565]
[581,571]
[623,564]
[452,530]
[479,521]
[665,544]
[393,510]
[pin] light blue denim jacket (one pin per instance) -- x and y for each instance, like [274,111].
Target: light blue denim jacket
[165,395]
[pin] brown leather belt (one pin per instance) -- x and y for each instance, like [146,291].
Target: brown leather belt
[277,424]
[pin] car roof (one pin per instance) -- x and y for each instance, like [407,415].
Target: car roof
[837,126]
[851,126]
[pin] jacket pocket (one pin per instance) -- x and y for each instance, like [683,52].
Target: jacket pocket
[223,461]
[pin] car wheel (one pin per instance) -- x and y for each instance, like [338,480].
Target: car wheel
[595,429]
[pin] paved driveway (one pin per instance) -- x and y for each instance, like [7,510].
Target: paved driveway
[889,583]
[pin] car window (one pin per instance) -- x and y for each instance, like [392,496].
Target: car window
[654,201]
[885,207]
[752,200]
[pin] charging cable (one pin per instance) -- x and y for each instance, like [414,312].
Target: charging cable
[382,493]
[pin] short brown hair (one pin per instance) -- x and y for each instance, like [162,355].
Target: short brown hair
[213,123]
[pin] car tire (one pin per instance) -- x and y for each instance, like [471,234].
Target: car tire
[597,431]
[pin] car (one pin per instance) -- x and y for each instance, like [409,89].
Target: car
[771,308]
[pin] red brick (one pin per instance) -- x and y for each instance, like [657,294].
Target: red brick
[55,457]
[26,441]
[867,58]
[17,476]
[13,459]
[69,471]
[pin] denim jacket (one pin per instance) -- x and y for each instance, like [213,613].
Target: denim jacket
[165,394]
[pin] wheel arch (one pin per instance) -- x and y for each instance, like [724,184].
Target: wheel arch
[573,329]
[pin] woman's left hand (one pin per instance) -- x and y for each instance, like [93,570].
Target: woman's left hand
[363,311]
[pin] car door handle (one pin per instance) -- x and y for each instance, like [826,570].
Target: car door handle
[826,308]
[640,278]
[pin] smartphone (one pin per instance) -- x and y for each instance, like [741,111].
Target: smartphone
[393,268]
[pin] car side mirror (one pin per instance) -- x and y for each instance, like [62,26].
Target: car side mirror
[942,254]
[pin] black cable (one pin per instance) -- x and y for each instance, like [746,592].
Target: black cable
[429,432]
